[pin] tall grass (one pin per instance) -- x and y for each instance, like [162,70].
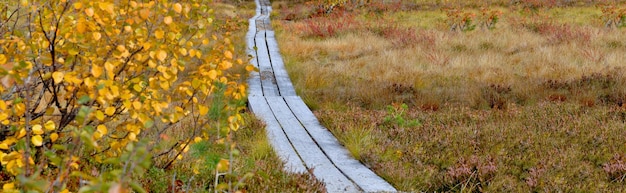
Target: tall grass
[364,63]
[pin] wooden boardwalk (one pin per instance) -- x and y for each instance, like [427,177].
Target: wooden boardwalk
[293,131]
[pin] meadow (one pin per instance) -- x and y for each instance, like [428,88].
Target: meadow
[485,96]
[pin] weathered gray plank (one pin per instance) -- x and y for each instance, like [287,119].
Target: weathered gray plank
[270,34]
[276,135]
[254,84]
[308,150]
[361,175]
[280,73]
[282,79]
[272,44]
[268,81]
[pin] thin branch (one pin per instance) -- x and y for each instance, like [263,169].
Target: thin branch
[127,61]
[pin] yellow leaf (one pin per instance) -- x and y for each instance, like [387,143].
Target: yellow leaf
[205,41]
[78,5]
[109,67]
[147,45]
[132,136]
[183,51]
[74,165]
[90,82]
[8,186]
[144,13]
[121,48]
[195,171]
[212,74]
[137,87]
[161,55]
[20,108]
[58,77]
[167,20]
[197,139]
[159,34]
[108,7]
[49,125]
[226,65]
[2,154]
[54,137]
[151,63]
[96,71]
[128,29]
[3,59]
[81,27]
[137,105]
[96,36]
[37,129]
[21,133]
[102,129]
[89,12]
[4,146]
[250,68]
[228,54]
[222,166]
[164,85]
[37,140]
[178,8]
[110,111]
[203,110]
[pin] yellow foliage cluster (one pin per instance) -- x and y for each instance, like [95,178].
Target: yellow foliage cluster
[84,81]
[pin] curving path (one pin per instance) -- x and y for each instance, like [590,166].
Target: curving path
[293,131]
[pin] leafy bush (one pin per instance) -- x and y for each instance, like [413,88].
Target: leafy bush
[94,93]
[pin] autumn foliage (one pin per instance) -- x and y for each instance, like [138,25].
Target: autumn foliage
[95,92]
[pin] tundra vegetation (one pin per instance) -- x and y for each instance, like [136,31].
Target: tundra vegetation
[467,96]
[142,96]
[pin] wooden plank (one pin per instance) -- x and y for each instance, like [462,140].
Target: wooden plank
[308,150]
[367,180]
[271,42]
[254,84]
[276,136]
[268,80]
[252,52]
[282,77]
[254,81]
[270,34]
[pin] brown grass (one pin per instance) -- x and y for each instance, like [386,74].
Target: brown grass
[457,67]
[536,104]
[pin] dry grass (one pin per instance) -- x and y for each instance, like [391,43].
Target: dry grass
[455,67]
[536,104]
